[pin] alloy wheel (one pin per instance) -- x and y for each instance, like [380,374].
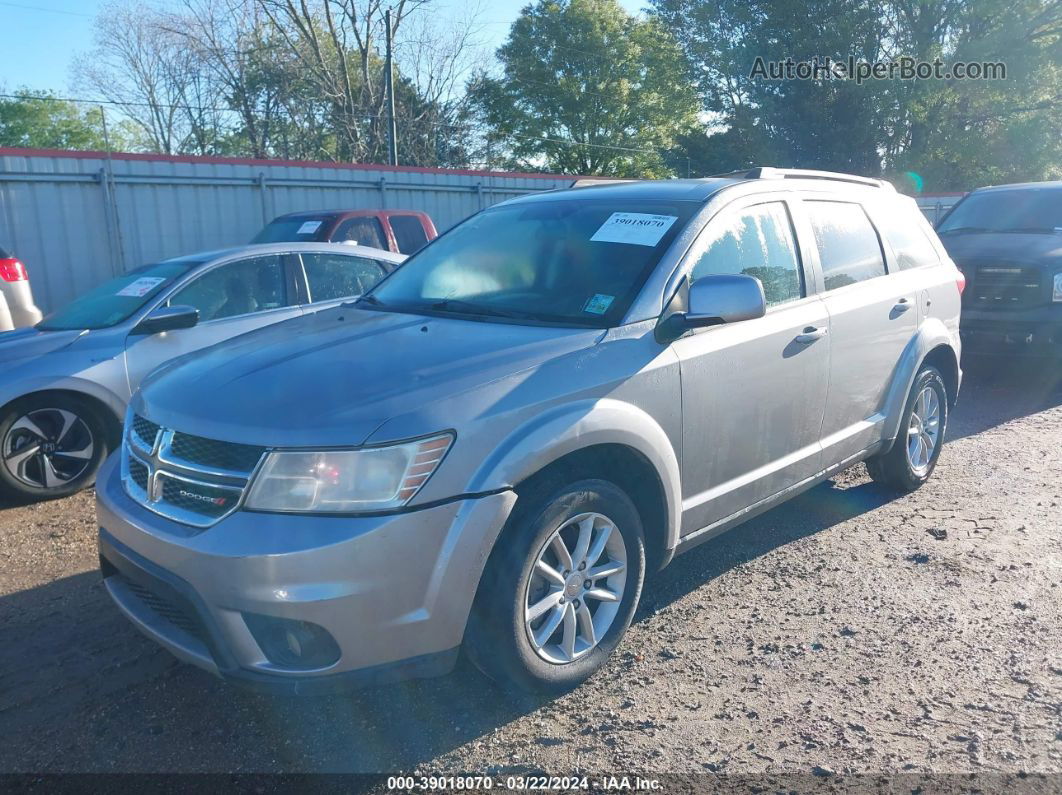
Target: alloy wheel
[923,431]
[48,448]
[576,587]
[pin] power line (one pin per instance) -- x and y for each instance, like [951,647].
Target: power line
[46,10]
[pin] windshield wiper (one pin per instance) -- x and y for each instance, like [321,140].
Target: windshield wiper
[466,307]
[364,299]
[959,229]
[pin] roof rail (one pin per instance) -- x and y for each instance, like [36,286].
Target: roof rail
[768,172]
[586,182]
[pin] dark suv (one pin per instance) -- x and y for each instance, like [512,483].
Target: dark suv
[1007,240]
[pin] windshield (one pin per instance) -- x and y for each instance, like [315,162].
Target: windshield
[301,229]
[1029,210]
[114,301]
[569,262]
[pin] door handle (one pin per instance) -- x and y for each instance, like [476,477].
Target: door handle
[810,334]
[901,306]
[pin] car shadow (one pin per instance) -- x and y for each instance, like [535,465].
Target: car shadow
[996,390]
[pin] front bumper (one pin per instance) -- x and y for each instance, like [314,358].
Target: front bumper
[1034,332]
[394,592]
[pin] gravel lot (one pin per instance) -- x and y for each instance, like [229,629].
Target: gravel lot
[850,630]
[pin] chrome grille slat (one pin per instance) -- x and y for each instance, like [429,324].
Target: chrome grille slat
[186,487]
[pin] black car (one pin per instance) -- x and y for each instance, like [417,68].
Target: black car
[1007,240]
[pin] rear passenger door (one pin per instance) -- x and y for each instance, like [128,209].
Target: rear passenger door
[333,278]
[873,316]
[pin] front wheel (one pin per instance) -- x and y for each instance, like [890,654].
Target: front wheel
[914,454]
[50,446]
[560,587]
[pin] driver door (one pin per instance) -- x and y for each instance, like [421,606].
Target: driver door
[753,392]
[232,298]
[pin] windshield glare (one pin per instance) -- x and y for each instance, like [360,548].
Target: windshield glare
[1006,211]
[114,301]
[568,262]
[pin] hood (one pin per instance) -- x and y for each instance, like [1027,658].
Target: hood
[25,342]
[333,377]
[1031,249]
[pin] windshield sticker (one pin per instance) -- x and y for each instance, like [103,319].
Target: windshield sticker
[308,228]
[599,304]
[638,229]
[141,287]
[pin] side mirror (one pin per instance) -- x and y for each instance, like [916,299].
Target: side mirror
[717,299]
[167,318]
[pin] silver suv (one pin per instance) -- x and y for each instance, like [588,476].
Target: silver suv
[492,448]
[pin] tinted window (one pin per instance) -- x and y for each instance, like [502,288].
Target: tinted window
[563,261]
[848,245]
[332,276]
[114,301]
[906,233]
[298,229]
[409,233]
[238,288]
[756,242]
[364,231]
[1037,210]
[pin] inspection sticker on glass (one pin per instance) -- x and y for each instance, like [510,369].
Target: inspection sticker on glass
[639,229]
[141,286]
[308,228]
[599,304]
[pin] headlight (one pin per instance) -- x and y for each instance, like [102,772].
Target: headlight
[1056,294]
[369,479]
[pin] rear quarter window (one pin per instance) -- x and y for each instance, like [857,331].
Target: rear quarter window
[908,233]
[409,233]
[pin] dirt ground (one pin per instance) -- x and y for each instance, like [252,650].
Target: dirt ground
[850,630]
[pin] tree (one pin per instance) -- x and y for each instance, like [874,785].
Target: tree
[587,89]
[40,120]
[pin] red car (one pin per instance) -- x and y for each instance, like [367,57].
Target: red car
[400,231]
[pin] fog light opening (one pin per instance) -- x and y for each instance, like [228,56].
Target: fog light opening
[297,645]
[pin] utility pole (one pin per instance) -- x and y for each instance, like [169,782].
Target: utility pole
[389,74]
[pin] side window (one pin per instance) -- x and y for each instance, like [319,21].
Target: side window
[409,233]
[238,288]
[332,276]
[756,242]
[906,233]
[849,249]
[365,231]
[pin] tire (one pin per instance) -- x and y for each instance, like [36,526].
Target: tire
[900,468]
[499,641]
[68,461]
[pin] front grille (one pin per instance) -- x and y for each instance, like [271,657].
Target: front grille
[198,498]
[1002,286]
[146,430]
[215,454]
[139,473]
[192,480]
[171,610]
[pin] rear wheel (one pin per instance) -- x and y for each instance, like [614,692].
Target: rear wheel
[560,587]
[914,455]
[50,446]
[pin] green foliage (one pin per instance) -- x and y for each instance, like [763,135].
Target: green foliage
[585,71]
[956,134]
[36,120]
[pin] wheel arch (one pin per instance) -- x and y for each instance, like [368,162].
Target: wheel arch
[606,438]
[107,406]
[933,344]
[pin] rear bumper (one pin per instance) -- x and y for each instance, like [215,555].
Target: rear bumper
[392,592]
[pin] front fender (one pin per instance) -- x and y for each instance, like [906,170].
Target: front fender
[931,334]
[575,426]
[20,387]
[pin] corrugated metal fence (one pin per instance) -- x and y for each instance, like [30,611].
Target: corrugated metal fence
[934,205]
[79,218]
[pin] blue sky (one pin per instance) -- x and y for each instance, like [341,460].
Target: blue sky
[41,37]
